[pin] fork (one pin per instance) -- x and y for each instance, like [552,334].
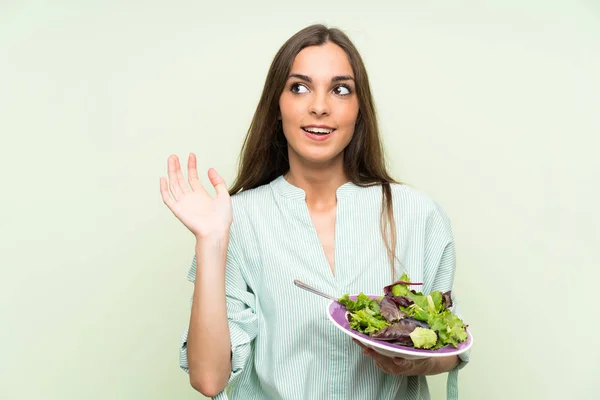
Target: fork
[311,289]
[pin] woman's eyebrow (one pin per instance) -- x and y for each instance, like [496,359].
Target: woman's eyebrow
[334,79]
[342,78]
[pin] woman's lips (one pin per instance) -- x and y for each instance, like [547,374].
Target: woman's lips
[320,137]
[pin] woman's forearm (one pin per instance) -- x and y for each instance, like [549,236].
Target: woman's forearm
[443,364]
[208,348]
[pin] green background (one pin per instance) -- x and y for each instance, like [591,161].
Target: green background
[490,107]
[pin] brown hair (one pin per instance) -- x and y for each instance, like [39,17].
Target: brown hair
[264,152]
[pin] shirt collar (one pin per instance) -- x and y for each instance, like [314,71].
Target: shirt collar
[286,189]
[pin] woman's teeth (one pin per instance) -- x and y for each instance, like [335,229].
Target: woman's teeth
[318,131]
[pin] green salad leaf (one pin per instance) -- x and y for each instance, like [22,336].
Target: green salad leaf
[423,338]
[362,302]
[451,329]
[365,313]
[364,322]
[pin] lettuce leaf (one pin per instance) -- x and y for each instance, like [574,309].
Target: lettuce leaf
[362,301]
[437,300]
[364,322]
[399,288]
[365,313]
[389,310]
[423,338]
[450,328]
[416,312]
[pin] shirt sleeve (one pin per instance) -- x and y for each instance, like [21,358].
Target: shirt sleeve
[241,315]
[441,258]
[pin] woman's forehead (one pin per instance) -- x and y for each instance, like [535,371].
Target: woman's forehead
[321,63]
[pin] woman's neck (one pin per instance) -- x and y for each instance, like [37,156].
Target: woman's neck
[320,185]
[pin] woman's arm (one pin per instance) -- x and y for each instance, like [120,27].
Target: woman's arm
[207,346]
[208,342]
[444,364]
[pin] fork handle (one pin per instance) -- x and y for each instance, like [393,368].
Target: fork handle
[311,289]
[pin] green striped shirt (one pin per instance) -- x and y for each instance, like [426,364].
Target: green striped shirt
[283,344]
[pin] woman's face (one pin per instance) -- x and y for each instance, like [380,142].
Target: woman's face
[319,106]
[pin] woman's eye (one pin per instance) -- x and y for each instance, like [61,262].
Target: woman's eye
[298,88]
[342,90]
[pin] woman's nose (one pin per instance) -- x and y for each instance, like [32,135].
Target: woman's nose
[319,106]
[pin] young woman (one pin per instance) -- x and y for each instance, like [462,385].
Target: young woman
[312,201]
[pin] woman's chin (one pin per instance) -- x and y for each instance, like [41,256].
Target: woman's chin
[318,158]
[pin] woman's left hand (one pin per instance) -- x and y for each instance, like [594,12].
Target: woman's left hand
[402,366]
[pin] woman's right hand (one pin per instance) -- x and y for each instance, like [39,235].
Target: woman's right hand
[202,214]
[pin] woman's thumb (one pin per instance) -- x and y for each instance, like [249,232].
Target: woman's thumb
[217,181]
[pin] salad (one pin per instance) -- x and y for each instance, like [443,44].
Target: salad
[407,317]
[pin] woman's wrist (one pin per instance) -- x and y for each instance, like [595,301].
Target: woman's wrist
[444,364]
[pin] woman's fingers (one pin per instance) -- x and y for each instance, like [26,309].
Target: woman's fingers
[178,185]
[180,178]
[193,173]
[217,181]
[173,179]
[164,193]
[401,362]
[382,366]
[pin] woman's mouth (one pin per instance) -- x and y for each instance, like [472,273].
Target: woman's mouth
[318,133]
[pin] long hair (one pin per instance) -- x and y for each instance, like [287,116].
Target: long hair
[264,151]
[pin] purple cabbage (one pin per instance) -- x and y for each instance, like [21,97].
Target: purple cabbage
[399,332]
[389,310]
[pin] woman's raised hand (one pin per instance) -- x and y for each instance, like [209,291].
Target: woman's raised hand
[202,214]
